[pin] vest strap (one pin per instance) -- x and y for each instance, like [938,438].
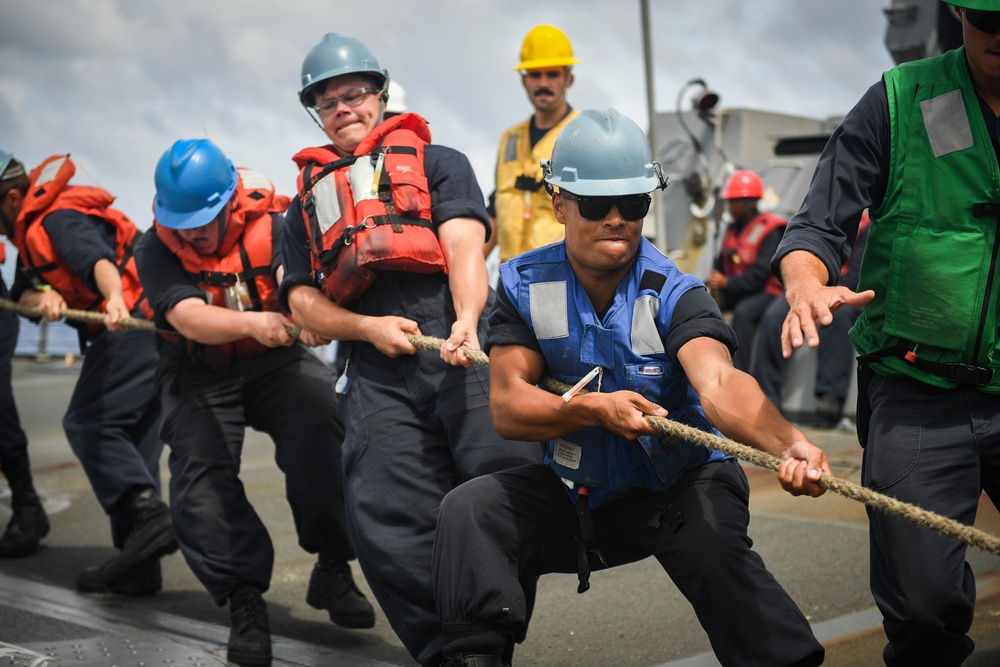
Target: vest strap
[527,183]
[586,542]
[985,209]
[960,374]
[328,258]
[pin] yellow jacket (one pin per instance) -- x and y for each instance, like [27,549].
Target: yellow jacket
[525,220]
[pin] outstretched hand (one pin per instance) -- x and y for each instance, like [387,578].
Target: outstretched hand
[812,306]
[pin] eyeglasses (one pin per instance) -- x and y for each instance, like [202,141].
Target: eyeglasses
[631,207]
[351,98]
[984,21]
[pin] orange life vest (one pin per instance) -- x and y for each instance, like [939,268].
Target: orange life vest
[740,250]
[240,265]
[50,191]
[371,211]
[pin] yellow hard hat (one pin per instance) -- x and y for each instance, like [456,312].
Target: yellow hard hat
[546,46]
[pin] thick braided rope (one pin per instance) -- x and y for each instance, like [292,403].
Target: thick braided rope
[886,504]
[80,315]
[90,316]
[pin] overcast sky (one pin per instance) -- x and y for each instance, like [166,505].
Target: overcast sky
[116,82]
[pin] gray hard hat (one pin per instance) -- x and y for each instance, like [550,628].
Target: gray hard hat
[603,153]
[337,55]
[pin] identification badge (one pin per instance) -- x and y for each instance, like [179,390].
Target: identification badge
[567,454]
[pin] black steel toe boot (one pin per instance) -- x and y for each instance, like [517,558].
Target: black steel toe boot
[152,537]
[331,587]
[28,522]
[468,660]
[145,579]
[828,410]
[249,632]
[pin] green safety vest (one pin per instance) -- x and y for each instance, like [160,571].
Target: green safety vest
[932,253]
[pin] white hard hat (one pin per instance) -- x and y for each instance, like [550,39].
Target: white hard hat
[397,99]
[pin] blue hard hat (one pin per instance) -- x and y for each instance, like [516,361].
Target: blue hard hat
[602,154]
[194,180]
[336,55]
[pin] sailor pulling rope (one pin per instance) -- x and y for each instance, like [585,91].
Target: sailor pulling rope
[883,503]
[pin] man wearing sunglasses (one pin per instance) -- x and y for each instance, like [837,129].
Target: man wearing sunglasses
[920,151]
[606,309]
[523,212]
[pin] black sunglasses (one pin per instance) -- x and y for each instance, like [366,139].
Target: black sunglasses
[982,20]
[631,207]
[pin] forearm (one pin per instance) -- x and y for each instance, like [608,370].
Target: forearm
[802,272]
[753,420]
[197,321]
[526,412]
[109,281]
[312,310]
[469,285]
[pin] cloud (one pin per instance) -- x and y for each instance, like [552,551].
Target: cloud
[115,82]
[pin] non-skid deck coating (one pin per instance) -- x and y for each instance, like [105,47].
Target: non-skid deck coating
[816,548]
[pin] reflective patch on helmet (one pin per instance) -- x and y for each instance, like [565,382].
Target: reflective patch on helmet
[48,174]
[567,454]
[547,303]
[947,123]
[645,336]
[510,151]
[327,202]
[361,176]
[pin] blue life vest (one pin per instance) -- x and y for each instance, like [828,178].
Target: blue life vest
[627,344]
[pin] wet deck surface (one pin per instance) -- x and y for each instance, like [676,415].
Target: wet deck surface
[817,549]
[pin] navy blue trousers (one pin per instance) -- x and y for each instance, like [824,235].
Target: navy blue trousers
[938,449]
[498,531]
[113,418]
[415,429]
[288,394]
[13,441]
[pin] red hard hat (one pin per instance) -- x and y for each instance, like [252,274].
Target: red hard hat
[744,184]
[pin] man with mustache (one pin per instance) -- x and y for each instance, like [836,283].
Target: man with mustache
[522,212]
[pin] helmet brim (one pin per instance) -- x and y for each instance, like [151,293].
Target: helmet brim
[191,219]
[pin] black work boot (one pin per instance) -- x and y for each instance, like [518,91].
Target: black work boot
[249,632]
[331,587]
[469,660]
[28,523]
[152,537]
[143,580]
[828,410]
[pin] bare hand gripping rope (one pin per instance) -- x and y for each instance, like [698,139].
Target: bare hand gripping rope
[886,504]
